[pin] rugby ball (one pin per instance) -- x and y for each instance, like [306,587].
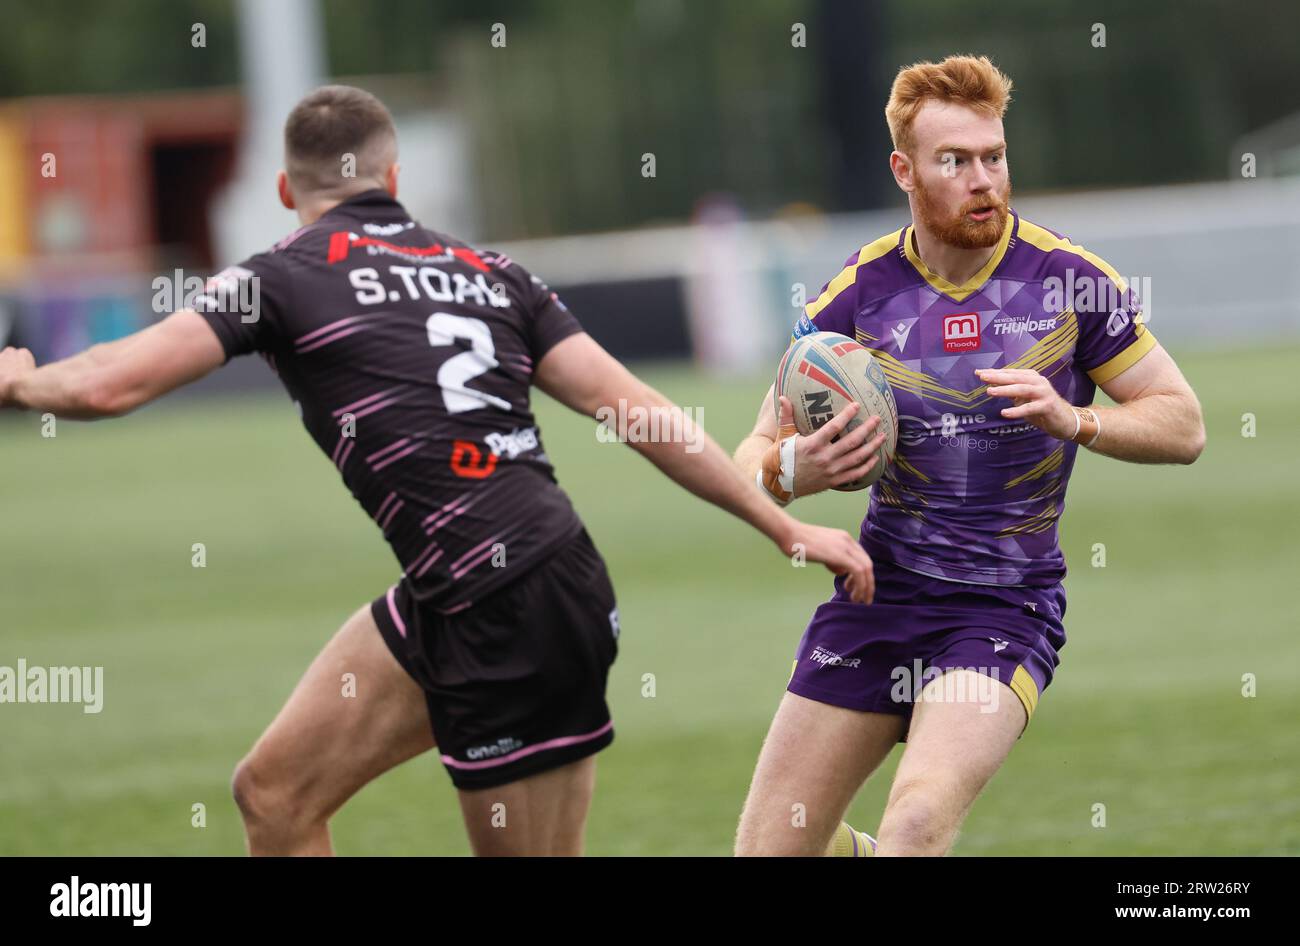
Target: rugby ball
[820,374]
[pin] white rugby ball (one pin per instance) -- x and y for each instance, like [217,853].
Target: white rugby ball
[820,374]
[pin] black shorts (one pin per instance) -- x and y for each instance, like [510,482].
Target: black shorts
[515,684]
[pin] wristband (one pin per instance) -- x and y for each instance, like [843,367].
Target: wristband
[1097,434]
[1087,426]
[776,473]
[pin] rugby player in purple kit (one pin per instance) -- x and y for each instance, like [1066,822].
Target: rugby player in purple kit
[411,356]
[969,307]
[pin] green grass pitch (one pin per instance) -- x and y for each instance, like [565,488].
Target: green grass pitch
[1146,715]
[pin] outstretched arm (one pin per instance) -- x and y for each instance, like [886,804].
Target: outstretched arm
[116,377]
[579,373]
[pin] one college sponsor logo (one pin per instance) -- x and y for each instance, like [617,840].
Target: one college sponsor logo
[978,685]
[24,684]
[961,332]
[951,433]
[913,431]
[494,750]
[77,899]
[828,658]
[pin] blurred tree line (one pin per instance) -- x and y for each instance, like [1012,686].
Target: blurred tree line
[722,93]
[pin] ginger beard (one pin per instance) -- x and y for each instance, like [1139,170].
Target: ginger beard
[958,229]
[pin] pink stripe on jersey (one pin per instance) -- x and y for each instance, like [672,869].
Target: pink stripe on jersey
[419,559]
[395,445]
[529,750]
[321,343]
[474,551]
[377,407]
[392,612]
[334,457]
[294,236]
[363,402]
[472,564]
[431,528]
[384,505]
[391,513]
[333,326]
[347,452]
[434,515]
[429,564]
[396,456]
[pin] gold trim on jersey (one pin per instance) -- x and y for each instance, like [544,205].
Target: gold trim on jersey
[1143,342]
[1043,466]
[1048,349]
[1050,486]
[849,274]
[1047,241]
[970,286]
[906,467]
[1041,521]
[887,492]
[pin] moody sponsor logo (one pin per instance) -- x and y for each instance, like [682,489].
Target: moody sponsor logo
[961,332]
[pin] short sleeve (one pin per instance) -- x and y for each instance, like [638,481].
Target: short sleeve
[834,308]
[550,320]
[245,303]
[1112,331]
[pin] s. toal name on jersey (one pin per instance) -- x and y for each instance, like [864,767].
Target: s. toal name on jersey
[425,282]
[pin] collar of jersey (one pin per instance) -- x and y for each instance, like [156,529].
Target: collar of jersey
[376,197]
[976,282]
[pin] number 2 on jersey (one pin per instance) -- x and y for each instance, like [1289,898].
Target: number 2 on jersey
[444,328]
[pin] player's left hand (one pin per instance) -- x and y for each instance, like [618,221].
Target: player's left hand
[14,364]
[1036,401]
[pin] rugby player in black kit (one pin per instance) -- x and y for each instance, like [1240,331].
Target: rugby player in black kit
[410,356]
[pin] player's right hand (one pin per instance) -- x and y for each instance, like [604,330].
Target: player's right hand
[822,462]
[839,552]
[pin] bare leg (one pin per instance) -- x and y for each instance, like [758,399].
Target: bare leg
[813,762]
[544,814]
[953,749]
[354,715]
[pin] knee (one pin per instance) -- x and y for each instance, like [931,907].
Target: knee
[917,821]
[262,799]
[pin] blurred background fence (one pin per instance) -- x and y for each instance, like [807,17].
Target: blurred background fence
[1165,136]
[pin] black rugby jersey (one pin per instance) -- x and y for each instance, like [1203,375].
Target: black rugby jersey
[410,357]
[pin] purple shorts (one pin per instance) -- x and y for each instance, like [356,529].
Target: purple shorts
[878,657]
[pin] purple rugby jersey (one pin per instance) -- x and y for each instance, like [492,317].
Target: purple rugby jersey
[972,497]
[410,356]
